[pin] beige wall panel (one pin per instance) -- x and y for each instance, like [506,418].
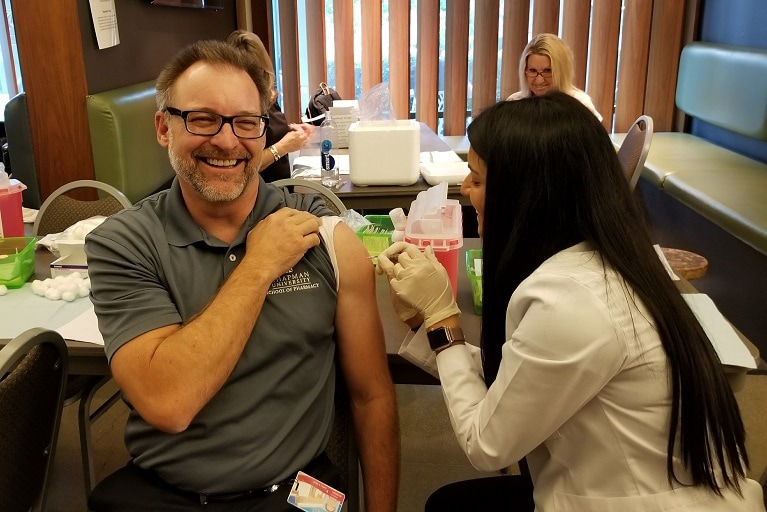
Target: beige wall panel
[603,57]
[665,48]
[343,26]
[516,20]
[456,66]
[289,59]
[545,16]
[371,43]
[315,44]
[399,57]
[575,32]
[55,92]
[632,73]
[484,78]
[427,66]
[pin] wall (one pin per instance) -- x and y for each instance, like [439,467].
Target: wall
[149,36]
[59,70]
[739,23]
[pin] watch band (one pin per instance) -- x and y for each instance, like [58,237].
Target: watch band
[275,154]
[443,337]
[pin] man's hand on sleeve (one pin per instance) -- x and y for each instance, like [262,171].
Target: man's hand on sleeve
[281,239]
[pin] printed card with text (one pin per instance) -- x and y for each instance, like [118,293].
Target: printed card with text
[311,495]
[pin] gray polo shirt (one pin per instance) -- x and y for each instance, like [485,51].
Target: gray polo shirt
[152,266]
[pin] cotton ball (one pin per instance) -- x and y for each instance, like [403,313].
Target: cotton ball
[82,291]
[68,287]
[68,296]
[52,294]
[3,289]
[39,287]
[86,282]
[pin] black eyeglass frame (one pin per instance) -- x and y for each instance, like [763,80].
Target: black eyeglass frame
[183,114]
[545,73]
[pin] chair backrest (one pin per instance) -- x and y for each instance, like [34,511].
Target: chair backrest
[331,199]
[633,151]
[59,211]
[33,373]
[342,449]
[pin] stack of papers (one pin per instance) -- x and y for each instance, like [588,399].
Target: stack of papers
[726,342]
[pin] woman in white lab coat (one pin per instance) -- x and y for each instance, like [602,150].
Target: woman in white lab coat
[592,367]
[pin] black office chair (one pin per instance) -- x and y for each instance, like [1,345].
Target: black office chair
[33,376]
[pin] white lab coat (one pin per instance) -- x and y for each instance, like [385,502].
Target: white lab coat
[583,391]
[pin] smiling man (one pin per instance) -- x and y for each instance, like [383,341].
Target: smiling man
[226,304]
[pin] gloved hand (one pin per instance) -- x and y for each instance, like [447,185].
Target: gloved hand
[419,283]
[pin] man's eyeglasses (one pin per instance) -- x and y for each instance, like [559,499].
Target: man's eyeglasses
[198,122]
[532,72]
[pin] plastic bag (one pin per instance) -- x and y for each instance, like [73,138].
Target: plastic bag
[375,104]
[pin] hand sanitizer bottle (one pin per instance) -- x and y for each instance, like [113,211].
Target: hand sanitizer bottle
[328,169]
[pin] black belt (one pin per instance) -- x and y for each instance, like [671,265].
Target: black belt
[235,496]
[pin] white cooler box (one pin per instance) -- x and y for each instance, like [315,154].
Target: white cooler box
[384,152]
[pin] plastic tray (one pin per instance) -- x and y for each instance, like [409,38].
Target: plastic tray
[17,260]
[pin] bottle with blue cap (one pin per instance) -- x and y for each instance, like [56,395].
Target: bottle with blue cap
[328,169]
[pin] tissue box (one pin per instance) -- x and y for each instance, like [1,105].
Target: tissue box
[72,258]
[17,260]
[384,152]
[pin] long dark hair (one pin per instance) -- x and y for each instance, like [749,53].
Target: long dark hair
[554,180]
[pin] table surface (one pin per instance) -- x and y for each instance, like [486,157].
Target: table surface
[387,197]
[89,358]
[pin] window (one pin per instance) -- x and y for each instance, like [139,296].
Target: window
[10,79]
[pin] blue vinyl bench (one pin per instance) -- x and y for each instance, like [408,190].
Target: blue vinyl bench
[707,198]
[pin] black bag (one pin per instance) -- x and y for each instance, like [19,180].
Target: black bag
[320,102]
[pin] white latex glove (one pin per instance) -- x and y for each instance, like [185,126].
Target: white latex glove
[419,283]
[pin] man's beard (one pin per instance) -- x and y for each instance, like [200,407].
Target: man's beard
[212,191]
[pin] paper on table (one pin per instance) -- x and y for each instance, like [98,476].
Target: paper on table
[84,327]
[306,165]
[725,340]
[665,262]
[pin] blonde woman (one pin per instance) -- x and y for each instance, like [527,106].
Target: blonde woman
[547,65]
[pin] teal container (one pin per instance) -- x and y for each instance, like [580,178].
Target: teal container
[474,271]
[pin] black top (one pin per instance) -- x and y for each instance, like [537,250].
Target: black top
[275,131]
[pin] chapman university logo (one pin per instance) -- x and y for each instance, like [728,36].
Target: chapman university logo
[292,282]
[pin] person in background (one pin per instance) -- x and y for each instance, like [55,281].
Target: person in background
[547,65]
[592,367]
[227,307]
[281,137]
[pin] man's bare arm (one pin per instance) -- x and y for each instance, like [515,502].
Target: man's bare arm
[362,352]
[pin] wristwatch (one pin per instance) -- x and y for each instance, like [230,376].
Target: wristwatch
[444,337]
